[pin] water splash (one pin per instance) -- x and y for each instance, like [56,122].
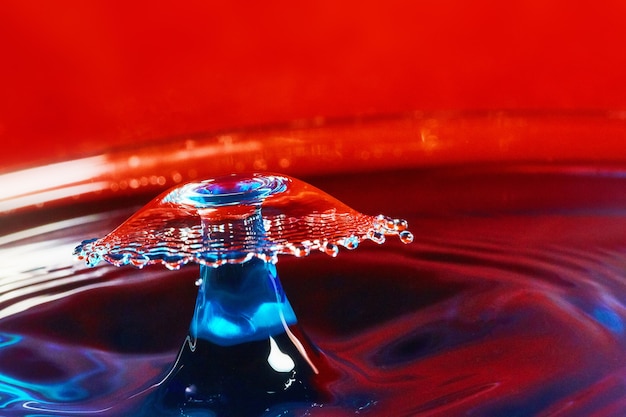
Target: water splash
[235,227]
[235,218]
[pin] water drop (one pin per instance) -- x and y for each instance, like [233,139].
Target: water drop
[330,249]
[400,225]
[173,265]
[406,236]
[351,243]
[376,236]
[301,250]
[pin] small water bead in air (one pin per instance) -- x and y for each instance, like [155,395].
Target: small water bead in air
[234,218]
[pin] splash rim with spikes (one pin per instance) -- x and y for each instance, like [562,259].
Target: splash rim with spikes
[200,222]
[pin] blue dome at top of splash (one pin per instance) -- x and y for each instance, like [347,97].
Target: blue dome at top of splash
[234,218]
[227,191]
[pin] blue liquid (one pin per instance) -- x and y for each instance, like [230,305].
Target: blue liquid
[240,303]
[238,380]
[241,356]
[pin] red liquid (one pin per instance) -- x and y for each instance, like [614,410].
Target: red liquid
[511,301]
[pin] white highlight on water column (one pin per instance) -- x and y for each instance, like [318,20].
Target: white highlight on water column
[278,360]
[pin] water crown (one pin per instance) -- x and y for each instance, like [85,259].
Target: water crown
[235,227]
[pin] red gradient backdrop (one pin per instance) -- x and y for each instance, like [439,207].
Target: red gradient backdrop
[78,77]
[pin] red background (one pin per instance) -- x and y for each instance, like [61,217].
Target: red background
[78,77]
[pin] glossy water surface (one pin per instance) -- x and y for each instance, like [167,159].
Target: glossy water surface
[510,302]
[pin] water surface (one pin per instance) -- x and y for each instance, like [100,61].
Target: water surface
[510,302]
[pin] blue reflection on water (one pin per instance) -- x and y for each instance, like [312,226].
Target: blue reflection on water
[609,319]
[19,391]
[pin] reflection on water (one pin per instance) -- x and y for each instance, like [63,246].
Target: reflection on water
[511,301]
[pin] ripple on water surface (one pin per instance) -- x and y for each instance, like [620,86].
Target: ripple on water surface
[508,312]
